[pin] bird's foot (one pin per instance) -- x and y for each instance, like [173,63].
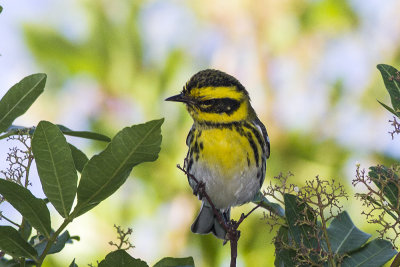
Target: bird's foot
[199,189]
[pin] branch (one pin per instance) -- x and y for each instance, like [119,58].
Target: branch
[231,227]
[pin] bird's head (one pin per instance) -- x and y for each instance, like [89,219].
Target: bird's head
[215,97]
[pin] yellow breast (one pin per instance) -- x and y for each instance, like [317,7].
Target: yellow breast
[224,159]
[225,149]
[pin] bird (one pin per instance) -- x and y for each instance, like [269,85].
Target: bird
[228,146]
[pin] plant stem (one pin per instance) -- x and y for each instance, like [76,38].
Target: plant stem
[6,135]
[28,167]
[22,262]
[233,240]
[231,227]
[52,239]
[325,232]
[10,221]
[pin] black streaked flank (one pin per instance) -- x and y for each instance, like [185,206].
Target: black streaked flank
[257,134]
[254,147]
[265,136]
[190,164]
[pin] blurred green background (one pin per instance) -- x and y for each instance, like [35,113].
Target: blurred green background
[309,66]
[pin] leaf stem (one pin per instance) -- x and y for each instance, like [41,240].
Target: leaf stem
[325,232]
[53,239]
[10,221]
[7,134]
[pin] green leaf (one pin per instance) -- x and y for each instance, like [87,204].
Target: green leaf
[260,199]
[56,247]
[106,172]
[389,109]
[80,159]
[84,134]
[31,208]
[9,263]
[285,257]
[1,9]
[383,178]
[19,98]
[13,244]
[297,212]
[25,230]
[121,258]
[55,166]
[175,262]
[391,78]
[73,264]
[344,236]
[375,253]
[396,261]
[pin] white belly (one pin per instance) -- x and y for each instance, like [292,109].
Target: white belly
[227,188]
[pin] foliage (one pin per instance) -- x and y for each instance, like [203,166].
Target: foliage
[58,163]
[315,230]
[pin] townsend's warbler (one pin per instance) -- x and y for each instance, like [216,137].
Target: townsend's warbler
[228,145]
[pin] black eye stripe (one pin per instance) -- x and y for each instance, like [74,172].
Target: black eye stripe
[219,105]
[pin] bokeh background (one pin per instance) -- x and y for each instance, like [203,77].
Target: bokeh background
[309,66]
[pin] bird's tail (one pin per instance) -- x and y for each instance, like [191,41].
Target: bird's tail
[206,222]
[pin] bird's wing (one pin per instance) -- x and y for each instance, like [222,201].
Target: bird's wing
[264,132]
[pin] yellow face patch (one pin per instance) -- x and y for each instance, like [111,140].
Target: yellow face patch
[208,93]
[238,115]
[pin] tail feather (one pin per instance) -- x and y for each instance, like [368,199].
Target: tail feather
[206,222]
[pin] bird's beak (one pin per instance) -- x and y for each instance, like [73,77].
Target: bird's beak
[178,98]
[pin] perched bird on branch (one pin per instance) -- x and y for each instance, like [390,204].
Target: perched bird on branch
[228,145]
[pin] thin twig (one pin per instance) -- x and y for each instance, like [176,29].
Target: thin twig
[231,227]
[8,220]
[203,193]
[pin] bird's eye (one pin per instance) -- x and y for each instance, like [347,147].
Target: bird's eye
[209,102]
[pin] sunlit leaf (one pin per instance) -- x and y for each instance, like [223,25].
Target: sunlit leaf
[80,159]
[284,256]
[344,236]
[106,172]
[396,261]
[383,178]
[391,110]
[84,134]
[55,166]
[71,58]
[56,247]
[73,264]
[121,258]
[297,211]
[261,200]
[175,262]
[19,98]
[13,244]
[327,15]
[375,253]
[25,230]
[31,208]
[391,78]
